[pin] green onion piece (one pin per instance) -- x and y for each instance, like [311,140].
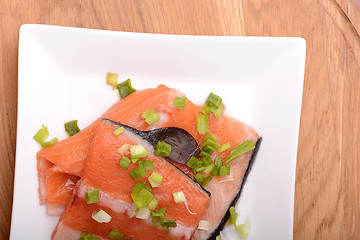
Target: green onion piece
[192,162]
[42,134]
[72,127]
[213,100]
[143,213]
[111,79]
[206,161]
[224,170]
[217,111]
[205,109]
[119,130]
[115,234]
[209,149]
[218,237]
[123,149]
[179,197]
[147,165]
[206,181]
[198,177]
[218,162]
[139,186]
[204,154]
[92,196]
[164,223]
[211,137]
[136,173]
[163,149]
[215,171]
[243,230]
[150,116]
[143,198]
[101,216]
[159,213]
[233,216]
[134,160]
[209,168]
[49,143]
[202,123]
[211,143]
[204,225]
[124,162]
[153,204]
[240,150]
[88,236]
[180,102]
[224,147]
[138,151]
[155,179]
[199,167]
[125,88]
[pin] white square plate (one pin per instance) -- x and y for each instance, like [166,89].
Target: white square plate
[62,77]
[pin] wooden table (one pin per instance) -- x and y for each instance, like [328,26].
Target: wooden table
[327,195]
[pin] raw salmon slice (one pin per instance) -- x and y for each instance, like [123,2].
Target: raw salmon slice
[115,185]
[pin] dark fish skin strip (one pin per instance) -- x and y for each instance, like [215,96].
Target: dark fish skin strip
[233,203]
[200,187]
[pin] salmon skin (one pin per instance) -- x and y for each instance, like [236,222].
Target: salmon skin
[115,185]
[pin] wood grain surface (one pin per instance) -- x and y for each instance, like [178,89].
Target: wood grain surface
[327,195]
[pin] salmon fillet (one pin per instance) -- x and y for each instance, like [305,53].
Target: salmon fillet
[115,184]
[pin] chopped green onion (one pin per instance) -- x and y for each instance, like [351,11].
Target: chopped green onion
[101,216]
[209,149]
[88,236]
[202,123]
[211,143]
[215,171]
[163,149]
[119,130]
[123,149]
[138,151]
[179,197]
[206,181]
[92,196]
[124,162]
[125,88]
[209,168]
[155,179]
[180,102]
[164,223]
[213,100]
[217,111]
[150,116]
[143,213]
[72,127]
[139,186]
[111,79]
[42,134]
[224,147]
[136,173]
[224,170]
[204,225]
[142,198]
[218,162]
[153,204]
[240,150]
[233,216]
[199,167]
[134,160]
[243,230]
[115,234]
[205,109]
[147,165]
[218,237]
[159,213]
[206,161]
[192,162]
[49,143]
[204,154]
[210,137]
[198,177]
